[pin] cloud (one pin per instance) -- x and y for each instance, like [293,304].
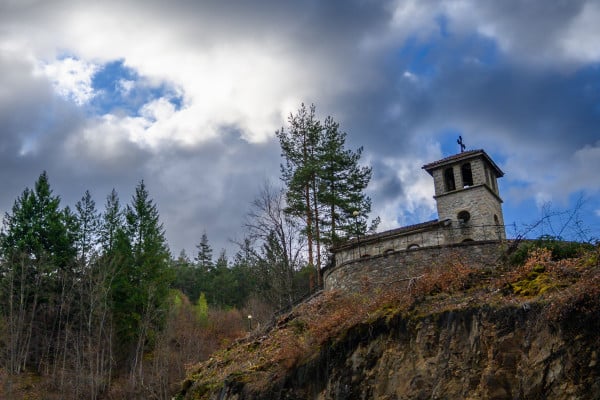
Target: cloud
[188,97]
[71,78]
[401,191]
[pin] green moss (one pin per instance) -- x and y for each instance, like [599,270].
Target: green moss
[298,326]
[205,388]
[535,284]
[560,249]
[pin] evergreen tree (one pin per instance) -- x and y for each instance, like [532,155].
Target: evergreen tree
[36,275]
[186,277]
[324,182]
[204,259]
[299,145]
[142,286]
[112,221]
[37,227]
[342,184]
[88,222]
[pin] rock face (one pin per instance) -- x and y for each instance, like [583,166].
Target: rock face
[471,353]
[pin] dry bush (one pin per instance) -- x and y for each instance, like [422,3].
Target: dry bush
[226,325]
[448,277]
[184,341]
[580,300]
[541,273]
[261,311]
[334,313]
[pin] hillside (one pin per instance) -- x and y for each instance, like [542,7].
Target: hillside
[529,331]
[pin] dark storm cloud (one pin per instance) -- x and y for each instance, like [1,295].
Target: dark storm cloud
[530,29]
[389,185]
[33,126]
[210,189]
[398,76]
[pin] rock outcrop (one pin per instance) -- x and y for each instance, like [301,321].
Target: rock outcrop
[481,341]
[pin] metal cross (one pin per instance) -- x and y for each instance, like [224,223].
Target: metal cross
[461,144]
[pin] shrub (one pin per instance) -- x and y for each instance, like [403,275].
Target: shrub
[558,248]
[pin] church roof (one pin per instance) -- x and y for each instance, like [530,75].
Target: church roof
[387,234]
[465,155]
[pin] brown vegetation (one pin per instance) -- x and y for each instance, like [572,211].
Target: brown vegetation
[562,288]
[184,341]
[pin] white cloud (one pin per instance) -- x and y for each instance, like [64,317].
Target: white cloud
[580,41]
[71,78]
[415,201]
[536,32]
[125,86]
[554,175]
[224,80]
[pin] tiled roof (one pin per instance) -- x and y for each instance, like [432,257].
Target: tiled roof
[462,156]
[393,232]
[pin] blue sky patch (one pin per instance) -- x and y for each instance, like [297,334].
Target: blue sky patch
[120,89]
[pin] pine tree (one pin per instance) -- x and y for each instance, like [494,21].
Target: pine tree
[142,286]
[37,226]
[204,259]
[37,274]
[299,146]
[342,184]
[324,182]
[112,221]
[87,221]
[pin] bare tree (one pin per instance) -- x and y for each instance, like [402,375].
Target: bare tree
[278,243]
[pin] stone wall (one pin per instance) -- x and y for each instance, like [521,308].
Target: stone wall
[395,266]
[430,236]
[479,200]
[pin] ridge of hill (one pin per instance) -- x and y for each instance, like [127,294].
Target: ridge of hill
[528,331]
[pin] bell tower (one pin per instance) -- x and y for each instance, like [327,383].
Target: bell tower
[467,196]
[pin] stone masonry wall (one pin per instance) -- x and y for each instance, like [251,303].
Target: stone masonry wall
[478,200]
[391,267]
[429,237]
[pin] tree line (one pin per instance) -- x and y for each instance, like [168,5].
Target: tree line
[88,297]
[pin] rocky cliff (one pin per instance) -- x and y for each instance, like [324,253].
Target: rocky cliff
[454,333]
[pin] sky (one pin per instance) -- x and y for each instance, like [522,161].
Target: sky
[188,95]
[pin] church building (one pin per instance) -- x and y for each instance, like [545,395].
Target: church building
[469,209]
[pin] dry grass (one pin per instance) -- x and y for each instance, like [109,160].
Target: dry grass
[564,286]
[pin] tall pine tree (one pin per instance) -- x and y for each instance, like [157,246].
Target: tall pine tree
[299,146]
[325,184]
[343,182]
[141,288]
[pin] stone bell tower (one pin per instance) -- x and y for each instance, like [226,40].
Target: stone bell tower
[467,197]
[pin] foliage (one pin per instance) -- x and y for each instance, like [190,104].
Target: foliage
[201,310]
[272,252]
[342,183]
[559,249]
[299,337]
[204,258]
[141,285]
[81,293]
[324,183]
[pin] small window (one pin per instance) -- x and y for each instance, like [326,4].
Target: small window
[413,246]
[463,217]
[467,174]
[388,252]
[467,240]
[496,220]
[449,179]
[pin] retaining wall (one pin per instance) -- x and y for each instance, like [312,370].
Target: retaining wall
[390,267]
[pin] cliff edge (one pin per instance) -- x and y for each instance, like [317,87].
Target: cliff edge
[526,332]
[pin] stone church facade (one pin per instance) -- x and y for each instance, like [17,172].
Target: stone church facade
[469,221]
